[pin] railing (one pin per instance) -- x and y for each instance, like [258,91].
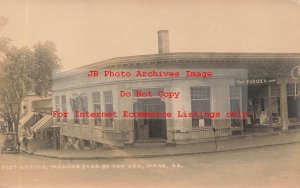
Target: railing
[223,132]
[201,134]
[204,133]
[92,133]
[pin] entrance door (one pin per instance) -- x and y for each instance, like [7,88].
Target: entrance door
[150,127]
[293,103]
[156,125]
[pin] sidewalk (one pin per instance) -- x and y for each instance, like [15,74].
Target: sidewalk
[247,141]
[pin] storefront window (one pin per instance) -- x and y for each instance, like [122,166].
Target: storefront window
[258,105]
[200,102]
[108,100]
[293,101]
[97,107]
[275,103]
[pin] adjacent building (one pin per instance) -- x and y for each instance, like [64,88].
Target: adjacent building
[37,123]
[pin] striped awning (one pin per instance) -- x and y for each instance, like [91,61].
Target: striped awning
[43,124]
[28,120]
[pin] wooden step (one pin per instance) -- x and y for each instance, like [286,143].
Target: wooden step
[150,143]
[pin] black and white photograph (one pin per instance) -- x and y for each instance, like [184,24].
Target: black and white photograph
[149,93]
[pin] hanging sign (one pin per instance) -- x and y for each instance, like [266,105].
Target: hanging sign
[256,81]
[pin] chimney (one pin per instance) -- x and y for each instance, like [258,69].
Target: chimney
[163,41]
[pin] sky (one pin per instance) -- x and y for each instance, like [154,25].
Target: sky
[88,31]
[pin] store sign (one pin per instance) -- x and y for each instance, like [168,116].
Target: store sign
[256,81]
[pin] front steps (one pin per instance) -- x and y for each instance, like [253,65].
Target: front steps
[149,143]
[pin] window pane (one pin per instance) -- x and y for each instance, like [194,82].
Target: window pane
[200,102]
[108,107]
[275,90]
[292,89]
[96,97]
[200,93]
[97,108]
[108,97]
[235,92]
[75,104]
[109,120]
[84,108]
[235,107]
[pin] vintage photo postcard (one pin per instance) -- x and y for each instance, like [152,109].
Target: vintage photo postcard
[149,93]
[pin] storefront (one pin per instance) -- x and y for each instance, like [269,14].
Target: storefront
[272,103]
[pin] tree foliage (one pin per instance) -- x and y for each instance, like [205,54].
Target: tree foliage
[24,71]
[45,62]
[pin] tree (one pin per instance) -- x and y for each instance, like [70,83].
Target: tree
[15,84]
[45,62]
[4,48]
[25,71]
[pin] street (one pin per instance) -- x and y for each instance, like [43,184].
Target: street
[275,166]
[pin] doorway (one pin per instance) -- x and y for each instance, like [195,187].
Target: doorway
[150,127]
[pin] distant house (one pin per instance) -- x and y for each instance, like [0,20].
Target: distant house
[37,120]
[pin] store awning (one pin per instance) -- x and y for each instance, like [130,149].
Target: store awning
[28,120]
[43,124]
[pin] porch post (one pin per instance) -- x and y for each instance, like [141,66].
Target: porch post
[270,105]
[283,106]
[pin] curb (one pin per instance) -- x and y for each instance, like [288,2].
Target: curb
[156,155]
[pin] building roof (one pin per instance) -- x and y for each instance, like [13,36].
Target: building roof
[259,64]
